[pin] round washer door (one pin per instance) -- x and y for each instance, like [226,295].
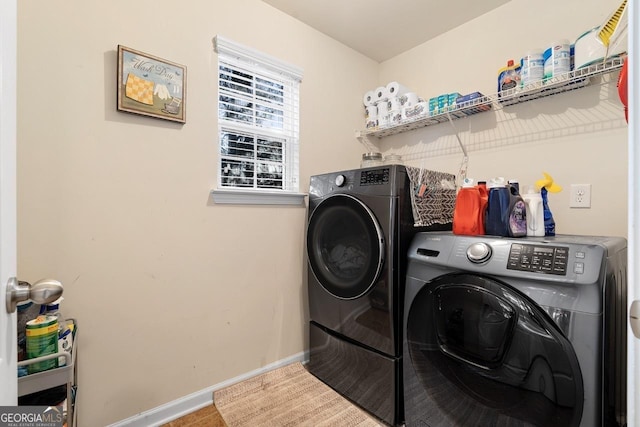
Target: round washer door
[477,343]
[345,246]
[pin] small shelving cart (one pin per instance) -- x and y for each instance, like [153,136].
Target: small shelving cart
[64,375]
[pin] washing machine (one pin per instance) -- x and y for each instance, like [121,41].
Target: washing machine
[359,228]
[515,332]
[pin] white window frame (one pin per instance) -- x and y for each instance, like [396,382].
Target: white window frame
[230,52]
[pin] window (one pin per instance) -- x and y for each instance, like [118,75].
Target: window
[258,127]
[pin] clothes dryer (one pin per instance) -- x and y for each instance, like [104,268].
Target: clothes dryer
[517,332]
[359,228]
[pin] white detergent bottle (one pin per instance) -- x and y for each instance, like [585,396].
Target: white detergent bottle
[535,213]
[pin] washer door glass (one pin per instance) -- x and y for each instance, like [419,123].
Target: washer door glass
[345,246]
[478,344]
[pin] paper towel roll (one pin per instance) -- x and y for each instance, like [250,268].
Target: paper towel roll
[409,99]
[384,120]
[418,110]
[383,108]
[393,103]
[381,94]
[371,123]
[396,89]
[369,98]
[395,116]
[371,111]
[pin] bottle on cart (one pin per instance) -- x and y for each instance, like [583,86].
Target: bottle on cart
[65,334]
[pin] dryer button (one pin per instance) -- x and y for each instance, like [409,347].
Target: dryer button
[479,253]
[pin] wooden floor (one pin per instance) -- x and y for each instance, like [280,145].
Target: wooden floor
[207,416]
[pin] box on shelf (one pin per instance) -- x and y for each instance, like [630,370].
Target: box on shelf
[465,101]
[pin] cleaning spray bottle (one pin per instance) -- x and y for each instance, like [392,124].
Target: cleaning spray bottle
[546,185]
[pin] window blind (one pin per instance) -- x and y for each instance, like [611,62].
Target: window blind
[258,120]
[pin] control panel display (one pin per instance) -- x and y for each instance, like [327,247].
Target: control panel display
[374,177]
[539,259]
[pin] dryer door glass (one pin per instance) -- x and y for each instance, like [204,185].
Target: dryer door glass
[345,246]
[476,343]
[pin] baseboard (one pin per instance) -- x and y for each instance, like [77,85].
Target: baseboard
[185,405]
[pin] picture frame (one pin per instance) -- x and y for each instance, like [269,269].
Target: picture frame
[151,86]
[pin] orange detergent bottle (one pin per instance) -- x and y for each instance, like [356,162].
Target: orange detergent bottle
[469,211]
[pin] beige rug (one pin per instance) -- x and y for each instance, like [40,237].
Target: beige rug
[288,396]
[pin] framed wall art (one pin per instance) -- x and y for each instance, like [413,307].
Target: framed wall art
[151,86]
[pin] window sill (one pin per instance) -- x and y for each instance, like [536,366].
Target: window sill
[244,197]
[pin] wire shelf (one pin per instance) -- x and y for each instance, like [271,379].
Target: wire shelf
[563,83]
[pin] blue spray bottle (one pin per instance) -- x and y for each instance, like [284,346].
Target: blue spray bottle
[549,223]
[547,185]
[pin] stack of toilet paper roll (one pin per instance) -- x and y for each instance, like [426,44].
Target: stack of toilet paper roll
[391,104]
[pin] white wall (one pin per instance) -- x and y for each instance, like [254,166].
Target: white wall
[578,137]
[173,293]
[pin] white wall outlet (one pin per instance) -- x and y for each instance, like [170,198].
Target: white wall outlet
[580,196]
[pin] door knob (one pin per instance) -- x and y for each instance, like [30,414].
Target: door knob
[42,292]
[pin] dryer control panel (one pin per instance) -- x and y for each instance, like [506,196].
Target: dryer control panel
[538,258]
[374,177]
